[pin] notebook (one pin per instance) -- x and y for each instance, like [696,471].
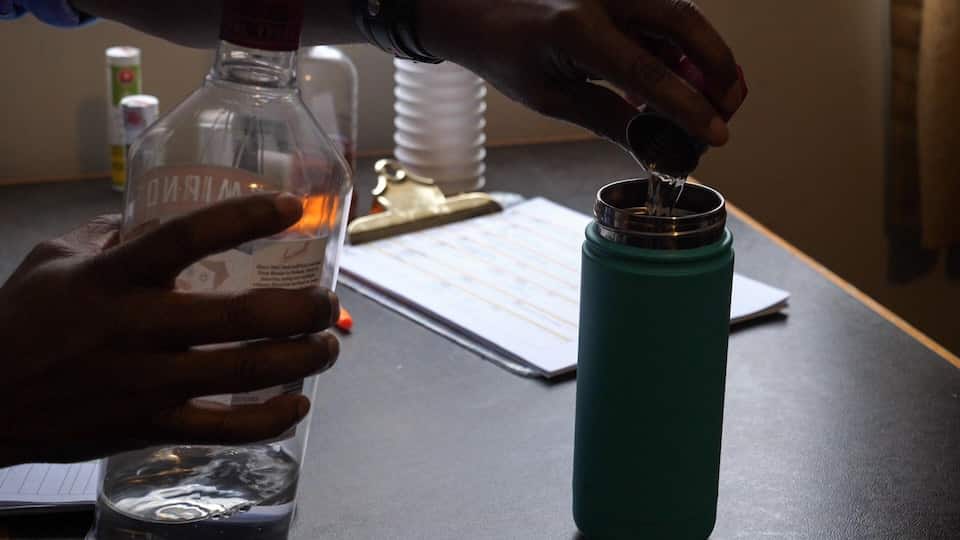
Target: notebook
[504,285]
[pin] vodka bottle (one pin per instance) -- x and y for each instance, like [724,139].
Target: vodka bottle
[245,130]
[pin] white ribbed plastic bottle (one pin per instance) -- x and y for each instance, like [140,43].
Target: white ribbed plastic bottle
[440,124]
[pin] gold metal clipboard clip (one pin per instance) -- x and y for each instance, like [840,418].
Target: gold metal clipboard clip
[404,202]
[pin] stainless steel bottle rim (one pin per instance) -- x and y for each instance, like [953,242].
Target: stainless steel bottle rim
[619,211]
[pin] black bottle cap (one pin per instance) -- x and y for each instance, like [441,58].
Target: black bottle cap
[271,25]
[661,145]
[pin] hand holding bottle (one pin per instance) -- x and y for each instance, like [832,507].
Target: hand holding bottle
[97,344]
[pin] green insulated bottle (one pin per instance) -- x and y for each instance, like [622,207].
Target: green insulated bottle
[654,323]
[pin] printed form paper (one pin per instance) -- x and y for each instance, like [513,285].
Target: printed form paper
[508,282]
[41,485]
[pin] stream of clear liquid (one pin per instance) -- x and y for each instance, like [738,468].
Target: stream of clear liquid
[663,192]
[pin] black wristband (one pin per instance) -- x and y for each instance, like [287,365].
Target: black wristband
[391,26]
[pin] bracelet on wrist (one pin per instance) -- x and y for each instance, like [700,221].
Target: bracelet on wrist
[391,26]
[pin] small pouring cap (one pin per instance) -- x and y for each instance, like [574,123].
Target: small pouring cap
[272,25]
[661,145]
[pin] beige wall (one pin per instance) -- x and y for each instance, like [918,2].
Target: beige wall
[54,87]
[808,153]
[807,156]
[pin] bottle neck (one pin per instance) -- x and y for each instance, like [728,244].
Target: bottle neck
[254,67]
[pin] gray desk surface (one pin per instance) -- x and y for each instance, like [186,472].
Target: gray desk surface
[837,423]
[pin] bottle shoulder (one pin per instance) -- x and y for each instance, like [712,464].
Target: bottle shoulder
[213,127]
[216,111]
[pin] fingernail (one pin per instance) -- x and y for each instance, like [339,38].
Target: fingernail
[289,206]
[333,349]
[736,94]
[719,134]
[732,99]
[303,407]
[334,307]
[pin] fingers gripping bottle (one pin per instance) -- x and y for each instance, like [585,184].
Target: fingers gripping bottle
[654,322]
[244,131]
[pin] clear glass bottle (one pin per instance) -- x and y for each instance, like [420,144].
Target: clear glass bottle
[246,130]
[329,87]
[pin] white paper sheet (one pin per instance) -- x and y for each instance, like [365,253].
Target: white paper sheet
[752,299]
[508,283]
[41,485]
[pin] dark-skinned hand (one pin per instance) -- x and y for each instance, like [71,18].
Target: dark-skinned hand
[98,349]
[547,53]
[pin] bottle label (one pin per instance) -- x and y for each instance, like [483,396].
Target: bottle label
[290,260]
[274,264]
[124,81]
[166,192]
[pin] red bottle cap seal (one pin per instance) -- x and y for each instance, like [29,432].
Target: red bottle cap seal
[272,25]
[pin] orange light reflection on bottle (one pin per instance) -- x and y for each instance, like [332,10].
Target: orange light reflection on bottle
[319,212]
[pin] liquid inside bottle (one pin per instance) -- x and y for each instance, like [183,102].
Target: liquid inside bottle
[188,492]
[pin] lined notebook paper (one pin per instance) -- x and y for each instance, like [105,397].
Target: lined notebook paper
[40,485]
[504,285]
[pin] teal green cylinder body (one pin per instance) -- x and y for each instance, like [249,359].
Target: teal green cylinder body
[654,326]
